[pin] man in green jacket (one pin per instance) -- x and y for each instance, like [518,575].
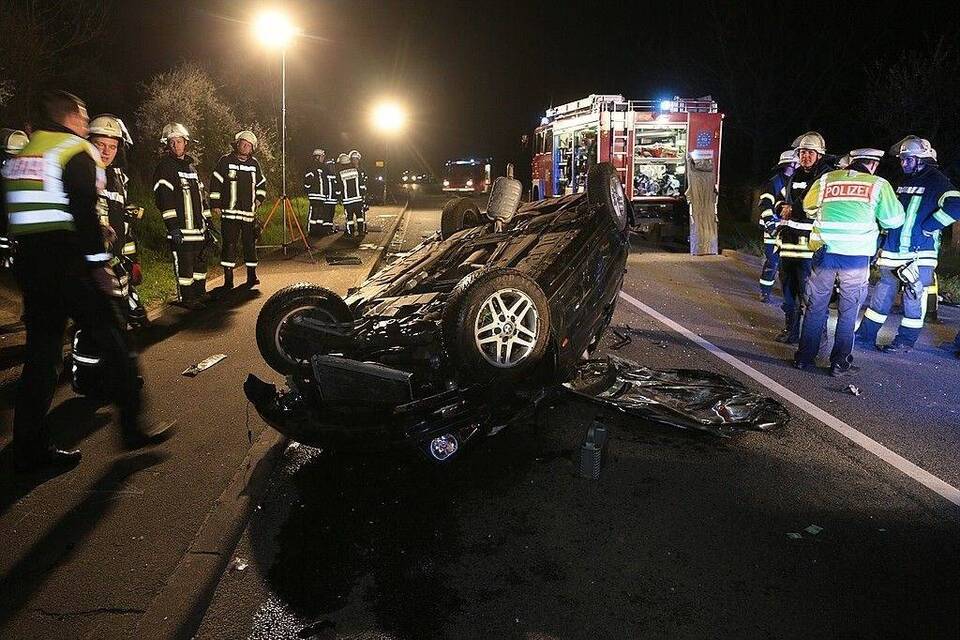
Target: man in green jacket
[846,206]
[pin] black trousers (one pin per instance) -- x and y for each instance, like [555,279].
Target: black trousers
[56,285]
[320,221]
[190,268]
[239,237]
[355,224]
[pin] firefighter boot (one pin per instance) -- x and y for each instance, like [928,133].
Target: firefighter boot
[228,277]
[252,279]
[789,335]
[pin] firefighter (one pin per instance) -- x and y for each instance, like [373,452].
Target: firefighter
[51,191]
[846,206]
[908,255]
[237,189]
[178,193]
[11,142]
[773,191]
[794,228]
[320,184]
[352,189]
[111,138]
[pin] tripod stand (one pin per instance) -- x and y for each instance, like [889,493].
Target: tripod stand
[290,221]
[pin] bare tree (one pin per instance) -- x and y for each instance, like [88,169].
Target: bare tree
[38,36]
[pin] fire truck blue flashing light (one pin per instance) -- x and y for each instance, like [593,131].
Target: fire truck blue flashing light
[666,106]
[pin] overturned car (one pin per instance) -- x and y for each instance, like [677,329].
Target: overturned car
[457,338]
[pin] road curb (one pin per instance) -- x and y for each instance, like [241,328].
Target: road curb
[177,611]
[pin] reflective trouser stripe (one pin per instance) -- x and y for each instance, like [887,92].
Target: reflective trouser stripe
[912,323]
[199,276]
[251,264]
[228,264]
[767,283]
[870,314]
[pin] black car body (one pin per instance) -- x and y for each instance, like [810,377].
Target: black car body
[434,349]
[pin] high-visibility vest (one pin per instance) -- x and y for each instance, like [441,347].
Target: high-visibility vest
[36,199]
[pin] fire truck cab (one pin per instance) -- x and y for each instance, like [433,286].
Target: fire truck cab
[650,143]
[468,176]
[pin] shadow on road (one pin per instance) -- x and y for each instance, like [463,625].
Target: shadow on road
[66,536]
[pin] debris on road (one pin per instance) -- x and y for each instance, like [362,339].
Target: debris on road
[592,450]
[238,564]
[622,340]
[342,260]
[813,529]
[854,390]
[203,365]
[794,536]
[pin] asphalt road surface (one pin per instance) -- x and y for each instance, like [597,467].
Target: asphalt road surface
[793,534]
[85,554]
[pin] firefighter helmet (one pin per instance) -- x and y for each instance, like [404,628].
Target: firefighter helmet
[111,126]
[319,152]
[916,147]
[866,154]
[355,155]
[787,157]
[247,135]
[174,130]
[343,158]
[13,140]
[811,140]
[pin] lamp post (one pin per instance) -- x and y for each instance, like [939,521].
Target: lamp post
[389,118]
[274,30]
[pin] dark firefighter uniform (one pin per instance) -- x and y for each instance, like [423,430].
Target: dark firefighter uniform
[773,191]
[321,184]
[795,251]
[238,188]
[931,203]
[51,199]
[115,212]
[178,194]
[353,189]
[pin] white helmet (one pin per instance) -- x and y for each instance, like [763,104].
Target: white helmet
[110,126]
[866,154]
[13,140]
[916,147]
[343,158]
[787,157]
[354,154]
[319,152]
[811,140]
[174,130]
[249,136]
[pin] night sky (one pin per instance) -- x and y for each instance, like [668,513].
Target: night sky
[476,76]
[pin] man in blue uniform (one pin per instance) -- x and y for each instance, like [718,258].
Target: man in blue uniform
[773,191]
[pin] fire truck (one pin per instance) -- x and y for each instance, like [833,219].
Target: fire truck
[468,176]
[648,142]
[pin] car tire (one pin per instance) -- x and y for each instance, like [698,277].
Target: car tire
[459,214]
[289,302]
[605,190]
[470,326]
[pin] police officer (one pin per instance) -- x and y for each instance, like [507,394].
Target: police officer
[11,142]
[314,183]
[111,138]
[62,269]
[773,191]
[846,206]
[352,190]
[908,255]
[794,230]
[178,194]
[237,188]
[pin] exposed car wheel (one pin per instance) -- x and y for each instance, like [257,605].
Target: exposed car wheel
[301,299]
[496,324]
[458,214]
[605,190]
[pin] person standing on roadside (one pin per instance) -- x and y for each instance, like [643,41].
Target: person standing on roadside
[773,191]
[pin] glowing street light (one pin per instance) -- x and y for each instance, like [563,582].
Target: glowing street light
[274,29]
[389,118]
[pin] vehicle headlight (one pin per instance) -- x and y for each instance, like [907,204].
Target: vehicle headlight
[470,182]
[446,183]
[404,178]
[443,447]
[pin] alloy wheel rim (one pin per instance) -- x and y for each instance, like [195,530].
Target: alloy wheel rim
[506,329]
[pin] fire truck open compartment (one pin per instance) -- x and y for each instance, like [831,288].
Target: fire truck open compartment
[649,143]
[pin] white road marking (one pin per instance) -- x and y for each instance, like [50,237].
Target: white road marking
[895,460]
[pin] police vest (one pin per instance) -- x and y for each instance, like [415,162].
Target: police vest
[36,199]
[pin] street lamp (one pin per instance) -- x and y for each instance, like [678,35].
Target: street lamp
[274,30]
[389,118]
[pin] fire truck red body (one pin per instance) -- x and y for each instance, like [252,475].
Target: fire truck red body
[648,142]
